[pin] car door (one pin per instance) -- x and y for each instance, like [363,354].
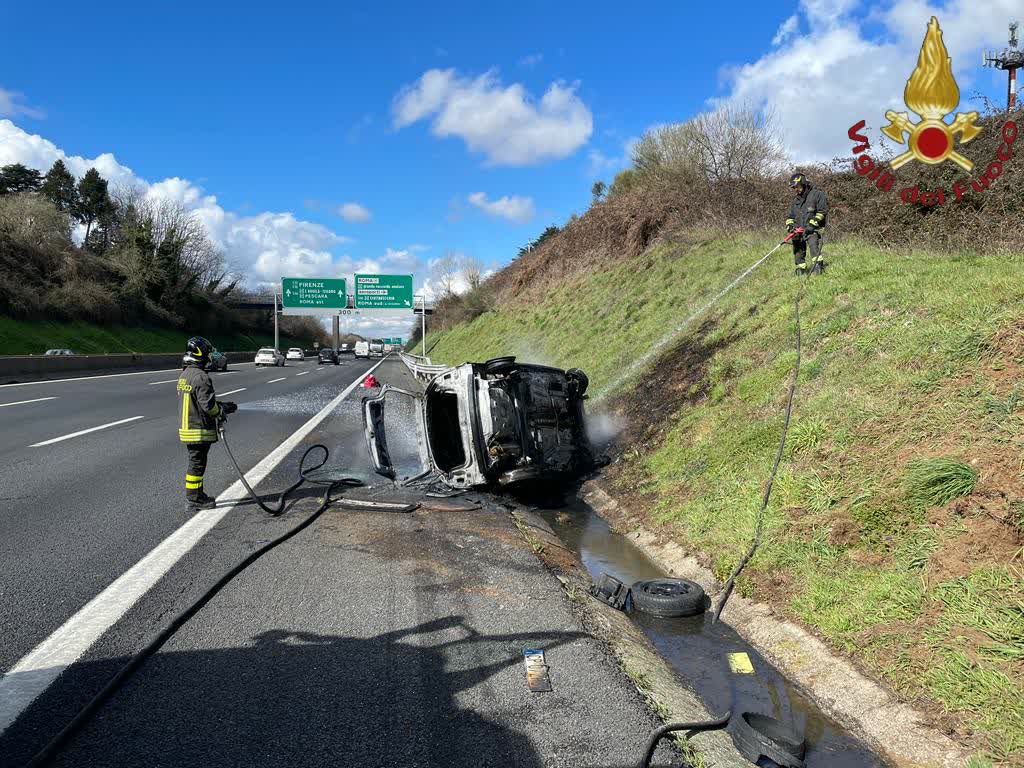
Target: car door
[396,437]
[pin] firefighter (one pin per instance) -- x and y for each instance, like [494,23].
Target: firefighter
[807,213]
[199,410]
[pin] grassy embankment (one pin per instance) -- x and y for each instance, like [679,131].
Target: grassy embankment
[22,337]
[895,527]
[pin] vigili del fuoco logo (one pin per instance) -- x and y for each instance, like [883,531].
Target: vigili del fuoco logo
[932,93]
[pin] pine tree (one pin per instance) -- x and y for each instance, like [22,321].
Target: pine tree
[59,187]
[94,201]
[17,178]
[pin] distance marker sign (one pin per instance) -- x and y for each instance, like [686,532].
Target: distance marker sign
[383,292]
[312,295]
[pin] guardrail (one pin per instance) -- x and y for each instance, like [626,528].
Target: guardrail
[18,368]
[421,367]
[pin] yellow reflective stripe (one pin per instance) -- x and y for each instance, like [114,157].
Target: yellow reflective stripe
[184,410]
[193,486]
[194,478]
[790,221]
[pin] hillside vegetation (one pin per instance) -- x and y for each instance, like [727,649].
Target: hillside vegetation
[896,527]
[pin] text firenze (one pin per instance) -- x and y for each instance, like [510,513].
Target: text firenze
[866,166]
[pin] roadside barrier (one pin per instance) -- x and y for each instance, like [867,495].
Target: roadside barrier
[34,367]
[421,367]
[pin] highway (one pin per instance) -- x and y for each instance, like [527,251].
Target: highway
[369,639]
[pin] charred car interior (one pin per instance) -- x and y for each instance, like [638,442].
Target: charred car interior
[494,423]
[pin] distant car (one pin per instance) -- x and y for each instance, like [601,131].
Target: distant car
[269,356]
[218,361]
[345,349]
[294,353]
[52,352]
[499,422]
[362,349]
[328,355]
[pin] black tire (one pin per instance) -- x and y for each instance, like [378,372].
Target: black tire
[500,364]
[757,736]
[579,380]
[668,598]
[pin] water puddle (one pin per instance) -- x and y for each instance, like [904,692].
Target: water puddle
[698,650]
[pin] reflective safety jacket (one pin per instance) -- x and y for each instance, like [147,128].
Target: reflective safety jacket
[197,406]
[808,210]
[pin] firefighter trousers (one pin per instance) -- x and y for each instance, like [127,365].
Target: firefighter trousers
[197,455]
[807,243]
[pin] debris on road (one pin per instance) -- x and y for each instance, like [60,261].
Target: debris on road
[611,591]
[537,679]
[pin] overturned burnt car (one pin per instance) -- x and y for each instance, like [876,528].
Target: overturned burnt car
[499,422]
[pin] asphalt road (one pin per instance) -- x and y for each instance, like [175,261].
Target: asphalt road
[77,513]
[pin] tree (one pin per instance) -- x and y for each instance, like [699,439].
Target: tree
[598,191]
[472,271]
[444,271]
[94,201]
[623,182]
[17,178]
[59,187]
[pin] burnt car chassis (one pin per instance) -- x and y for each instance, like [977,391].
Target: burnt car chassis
[478,424]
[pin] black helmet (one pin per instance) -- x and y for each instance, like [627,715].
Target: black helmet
[197,351]
[797,180]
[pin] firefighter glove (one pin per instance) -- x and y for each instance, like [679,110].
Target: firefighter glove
[228,407]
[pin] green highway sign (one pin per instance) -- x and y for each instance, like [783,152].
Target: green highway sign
[312,295]
[383,292]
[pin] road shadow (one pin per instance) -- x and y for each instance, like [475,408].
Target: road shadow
[292,698]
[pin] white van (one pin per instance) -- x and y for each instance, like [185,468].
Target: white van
[362,349]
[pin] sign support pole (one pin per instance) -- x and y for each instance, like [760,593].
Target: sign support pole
[423,324]
[277,344]
[337,340]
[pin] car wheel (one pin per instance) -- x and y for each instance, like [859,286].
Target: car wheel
[667,598]
[500,364]
[578,380]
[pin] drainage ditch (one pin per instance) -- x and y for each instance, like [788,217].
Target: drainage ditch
[698,650]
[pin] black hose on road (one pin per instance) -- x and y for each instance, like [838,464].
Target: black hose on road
[79,721]
[660,733]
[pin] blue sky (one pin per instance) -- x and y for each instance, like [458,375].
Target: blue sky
[285,112]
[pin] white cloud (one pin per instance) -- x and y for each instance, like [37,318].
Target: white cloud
[518,210]
[354,213]
[820,85]
[264,246]
[506,124]
[787,29]
[12,105]
[600,163]
[532,60]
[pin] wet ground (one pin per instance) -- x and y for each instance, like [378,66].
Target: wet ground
[699,650]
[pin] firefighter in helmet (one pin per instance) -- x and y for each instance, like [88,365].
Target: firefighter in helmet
[199,410]
[807,217]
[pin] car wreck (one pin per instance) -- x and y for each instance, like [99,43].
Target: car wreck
[478,424]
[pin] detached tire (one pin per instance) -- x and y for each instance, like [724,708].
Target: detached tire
[757,736]
[500,364]
[668,598]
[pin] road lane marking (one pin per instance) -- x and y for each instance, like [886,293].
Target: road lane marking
[23,402]
[99,376]
[274,381]
[302,374]
[165,381]
[233,391]
[84,432]
[34,673]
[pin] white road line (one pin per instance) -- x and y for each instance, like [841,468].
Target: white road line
[23,402]
[165,381]
[84,432]
[302,374]
[100,376]
[34,673]
[233,391]
[274,381]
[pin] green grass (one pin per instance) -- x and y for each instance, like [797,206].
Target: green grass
[18,337]
[900,357]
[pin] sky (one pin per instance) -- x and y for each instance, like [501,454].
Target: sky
[326,139]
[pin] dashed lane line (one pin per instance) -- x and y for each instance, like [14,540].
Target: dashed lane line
[26,402]
[81,432]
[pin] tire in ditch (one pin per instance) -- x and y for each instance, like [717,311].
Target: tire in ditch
[757,736]
[500,364]
[668,598]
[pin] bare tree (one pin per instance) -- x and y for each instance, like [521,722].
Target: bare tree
[444,273]
[472,271]
[732,143]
